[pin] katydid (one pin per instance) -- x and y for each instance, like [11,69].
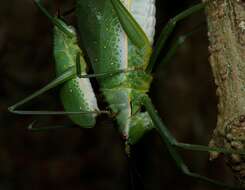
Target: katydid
[118,37]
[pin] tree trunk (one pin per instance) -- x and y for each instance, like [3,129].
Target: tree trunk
[226,26]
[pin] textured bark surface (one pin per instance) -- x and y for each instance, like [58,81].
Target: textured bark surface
[226,25]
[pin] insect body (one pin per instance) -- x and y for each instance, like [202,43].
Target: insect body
[117,35]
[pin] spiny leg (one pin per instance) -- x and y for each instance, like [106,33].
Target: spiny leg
[167,30]
[70,73]
[172,143]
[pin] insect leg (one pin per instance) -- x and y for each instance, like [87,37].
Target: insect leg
[59,80]
[172,144]
[168,29]
[70,73]
[169,138]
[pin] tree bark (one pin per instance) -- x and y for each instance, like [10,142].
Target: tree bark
[226,26]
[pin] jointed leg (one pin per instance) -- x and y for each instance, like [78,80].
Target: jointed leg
[69,74]
[172,144]
[168,137]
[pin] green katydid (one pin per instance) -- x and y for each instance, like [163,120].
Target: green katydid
[115,43]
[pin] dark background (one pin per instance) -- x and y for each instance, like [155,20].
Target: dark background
[94,159]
